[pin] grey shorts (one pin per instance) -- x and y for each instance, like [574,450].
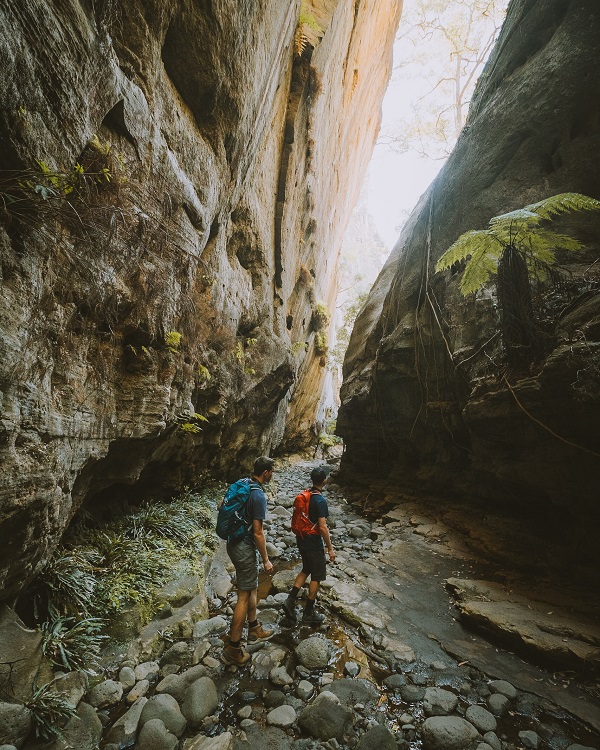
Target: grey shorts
[244,556]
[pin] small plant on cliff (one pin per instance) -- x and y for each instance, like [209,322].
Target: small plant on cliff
[320,317]
[321,342]
[173,341]
[65,586]
[307,23]
[49,712]
[73,645]
[517,248]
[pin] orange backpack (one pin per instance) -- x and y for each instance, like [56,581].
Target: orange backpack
[301,524]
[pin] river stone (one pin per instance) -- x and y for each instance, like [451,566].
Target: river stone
[223,741]
[155,736]
[395,681]
[274,698]
[245,712]
[377,738]
[352,691]
[105,693]
[138,691]
[304,690]
[412,693]
[124,730]
[481,718]
[127,677]
[282,716]
[266,659]
[201,699]
[503,688]
[529,739]
[498,704]
[208,627]
[284,580]
[178,654]
[279,676]
[325,719]
[447,733]
[15,723]
[165,708]
[351,668]
[71,686]
[439,702]
[177,684]
[493,741]
[314,652]
[149,670]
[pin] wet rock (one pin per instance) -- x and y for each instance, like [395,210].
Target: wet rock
[274,698]
[177,684]
[127,677]
[447,733]
[439,702]
[492,740]
[325,719]
[412,693]
[395,681]
[482,719]
[124,730]
[378,737]
[279,676]
[148,670]
[207,627]
[282,716]
[165,708]
[503,688]
[304,690]
[351,668]
[15,723]
[498,704]
[351,691]
[314,652]
[268,658]
[261,737]
[529,739]
[155,736]
[284,580]
[139,690]
[71,686]
[201,699]
[106,693]
[179,654]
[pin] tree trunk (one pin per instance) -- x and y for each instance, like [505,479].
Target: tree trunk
[522,338]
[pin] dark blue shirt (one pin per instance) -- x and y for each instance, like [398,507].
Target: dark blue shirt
[316,509]
[256,509]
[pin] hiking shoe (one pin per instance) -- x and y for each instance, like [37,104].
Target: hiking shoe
[313,618]
[289,607]
[258,633]
[233,655]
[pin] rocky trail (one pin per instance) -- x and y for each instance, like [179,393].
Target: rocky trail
[393,666]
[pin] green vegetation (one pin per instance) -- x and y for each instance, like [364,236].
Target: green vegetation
[191,423]
[173,340]
[71,644]
[203,374]
[66,585]
[321,342]
[320,317]
[517,248]
[49,711]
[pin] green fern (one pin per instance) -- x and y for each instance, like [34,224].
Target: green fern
[520,230]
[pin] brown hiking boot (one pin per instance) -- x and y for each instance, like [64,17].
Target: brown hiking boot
[233,655]
[257,633]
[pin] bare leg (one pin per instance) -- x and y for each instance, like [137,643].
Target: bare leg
[239,614]
[313,588]
[300,579]
[252,605]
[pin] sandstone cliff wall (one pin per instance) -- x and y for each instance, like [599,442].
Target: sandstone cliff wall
[425,398]
[176,178]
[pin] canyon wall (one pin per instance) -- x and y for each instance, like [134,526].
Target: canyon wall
[175,182]
[428,398]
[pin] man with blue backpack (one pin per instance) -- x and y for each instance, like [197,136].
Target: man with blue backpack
[240,522]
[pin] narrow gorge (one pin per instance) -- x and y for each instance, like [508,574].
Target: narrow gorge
[176,180]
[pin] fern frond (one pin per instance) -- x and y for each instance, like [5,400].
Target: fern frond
[483,264]
[563,203]
[467,244]
[544,242]
[519,219]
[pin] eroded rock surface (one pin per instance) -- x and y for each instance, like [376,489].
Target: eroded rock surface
[176,180]
[426,396]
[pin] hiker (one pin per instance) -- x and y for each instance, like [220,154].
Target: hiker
[244,556]
[310,545]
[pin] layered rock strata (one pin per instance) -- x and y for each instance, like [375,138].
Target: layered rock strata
[176,178]
[427,396]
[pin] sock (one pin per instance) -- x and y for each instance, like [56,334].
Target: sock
[294,592]
[235,644]
[253,624]
[310,605]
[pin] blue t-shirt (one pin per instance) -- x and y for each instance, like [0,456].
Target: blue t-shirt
[316,509]
[256,509]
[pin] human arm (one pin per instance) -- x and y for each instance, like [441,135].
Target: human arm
[261,544]
[324,531]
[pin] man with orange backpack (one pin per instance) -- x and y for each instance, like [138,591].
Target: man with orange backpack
[309,523]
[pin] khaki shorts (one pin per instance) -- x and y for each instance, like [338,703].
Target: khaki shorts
[244,556]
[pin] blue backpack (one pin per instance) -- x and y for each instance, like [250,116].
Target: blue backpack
[232,522]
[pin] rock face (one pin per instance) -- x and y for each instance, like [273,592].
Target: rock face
[176,179]
[426,396]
